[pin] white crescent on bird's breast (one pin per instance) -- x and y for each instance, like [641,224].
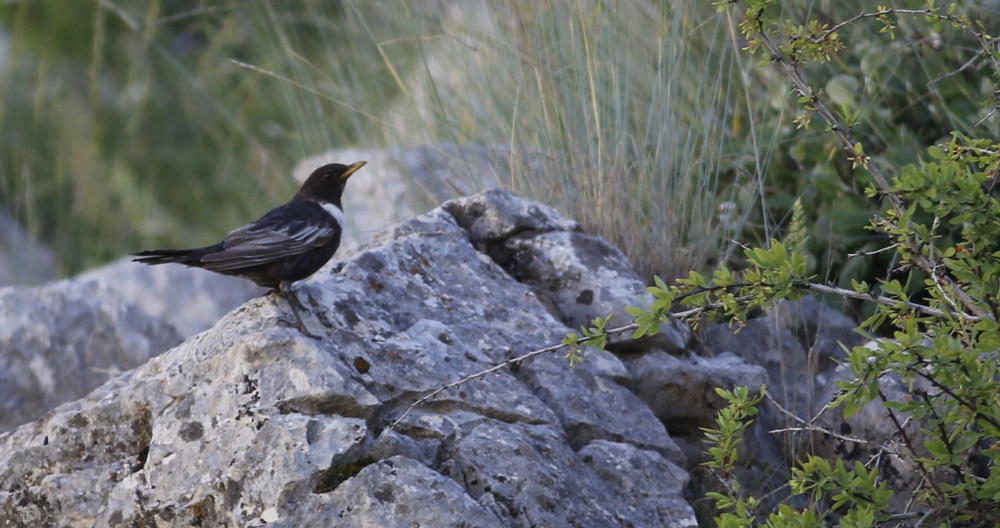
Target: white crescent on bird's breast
[336,212]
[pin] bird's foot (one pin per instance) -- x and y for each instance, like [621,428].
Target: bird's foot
[300,326]
[295,304]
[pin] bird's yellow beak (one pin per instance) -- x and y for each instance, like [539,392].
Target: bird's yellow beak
[352,169]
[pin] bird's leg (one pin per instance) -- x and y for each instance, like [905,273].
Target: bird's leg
[285,291]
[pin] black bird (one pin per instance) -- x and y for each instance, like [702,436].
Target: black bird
[285,245]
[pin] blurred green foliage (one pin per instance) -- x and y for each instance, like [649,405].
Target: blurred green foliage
[908,92]
[936,379]
[125,125]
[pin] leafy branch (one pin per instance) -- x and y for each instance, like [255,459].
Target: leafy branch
[774,274]
[943,220]
[824,43]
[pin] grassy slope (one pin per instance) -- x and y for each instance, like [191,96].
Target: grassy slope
[130,124]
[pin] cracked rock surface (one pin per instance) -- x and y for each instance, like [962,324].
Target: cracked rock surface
[58,342]
[251,423]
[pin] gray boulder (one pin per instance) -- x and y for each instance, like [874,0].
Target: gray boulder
[621,417]
[578,276]
[680,391]
[651,483]
[397,492]
[190,299]
[23,259]
[59,342]
[877,435]
[798,343]
[537,480]
[766,342]
[251,422]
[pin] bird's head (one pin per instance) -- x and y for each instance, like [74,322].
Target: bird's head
[326,184]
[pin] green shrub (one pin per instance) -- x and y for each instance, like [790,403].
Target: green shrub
[939,216]
[903,93]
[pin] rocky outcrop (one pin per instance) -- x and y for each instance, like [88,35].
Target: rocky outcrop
[798,344]
[252,423]
[59,342]
[577,275]
[190,299]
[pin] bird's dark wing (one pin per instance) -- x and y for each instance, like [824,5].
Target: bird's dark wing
[289,230]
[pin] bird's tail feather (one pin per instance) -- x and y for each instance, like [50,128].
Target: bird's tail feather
[189,257]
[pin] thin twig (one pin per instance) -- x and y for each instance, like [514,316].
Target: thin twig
[494,368]
[923,519]
[875,252]
[988,115]
[904,516]
[506,363]
[888,301]
[818,429]
[938,494]
[971,406]
[819,288]
[980,36]
[808,427]
[885,12]
[960,69]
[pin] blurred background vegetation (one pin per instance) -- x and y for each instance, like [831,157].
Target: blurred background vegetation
[127,125]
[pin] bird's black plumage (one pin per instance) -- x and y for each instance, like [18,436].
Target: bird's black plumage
[285,245]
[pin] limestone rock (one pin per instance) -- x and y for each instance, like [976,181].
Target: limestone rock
[396,492]
[649,483]
[253,423]
[190,299]
[539,481]
[59,342]
[494,216]
[621,417]
[579,276]
[681,393]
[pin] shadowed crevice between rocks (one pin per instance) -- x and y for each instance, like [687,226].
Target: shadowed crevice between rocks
[327,480]
[445,407]
[326,404]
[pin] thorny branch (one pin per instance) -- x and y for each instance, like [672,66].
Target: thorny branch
[506,363]
[807,286]
[583,340]
[888,301]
